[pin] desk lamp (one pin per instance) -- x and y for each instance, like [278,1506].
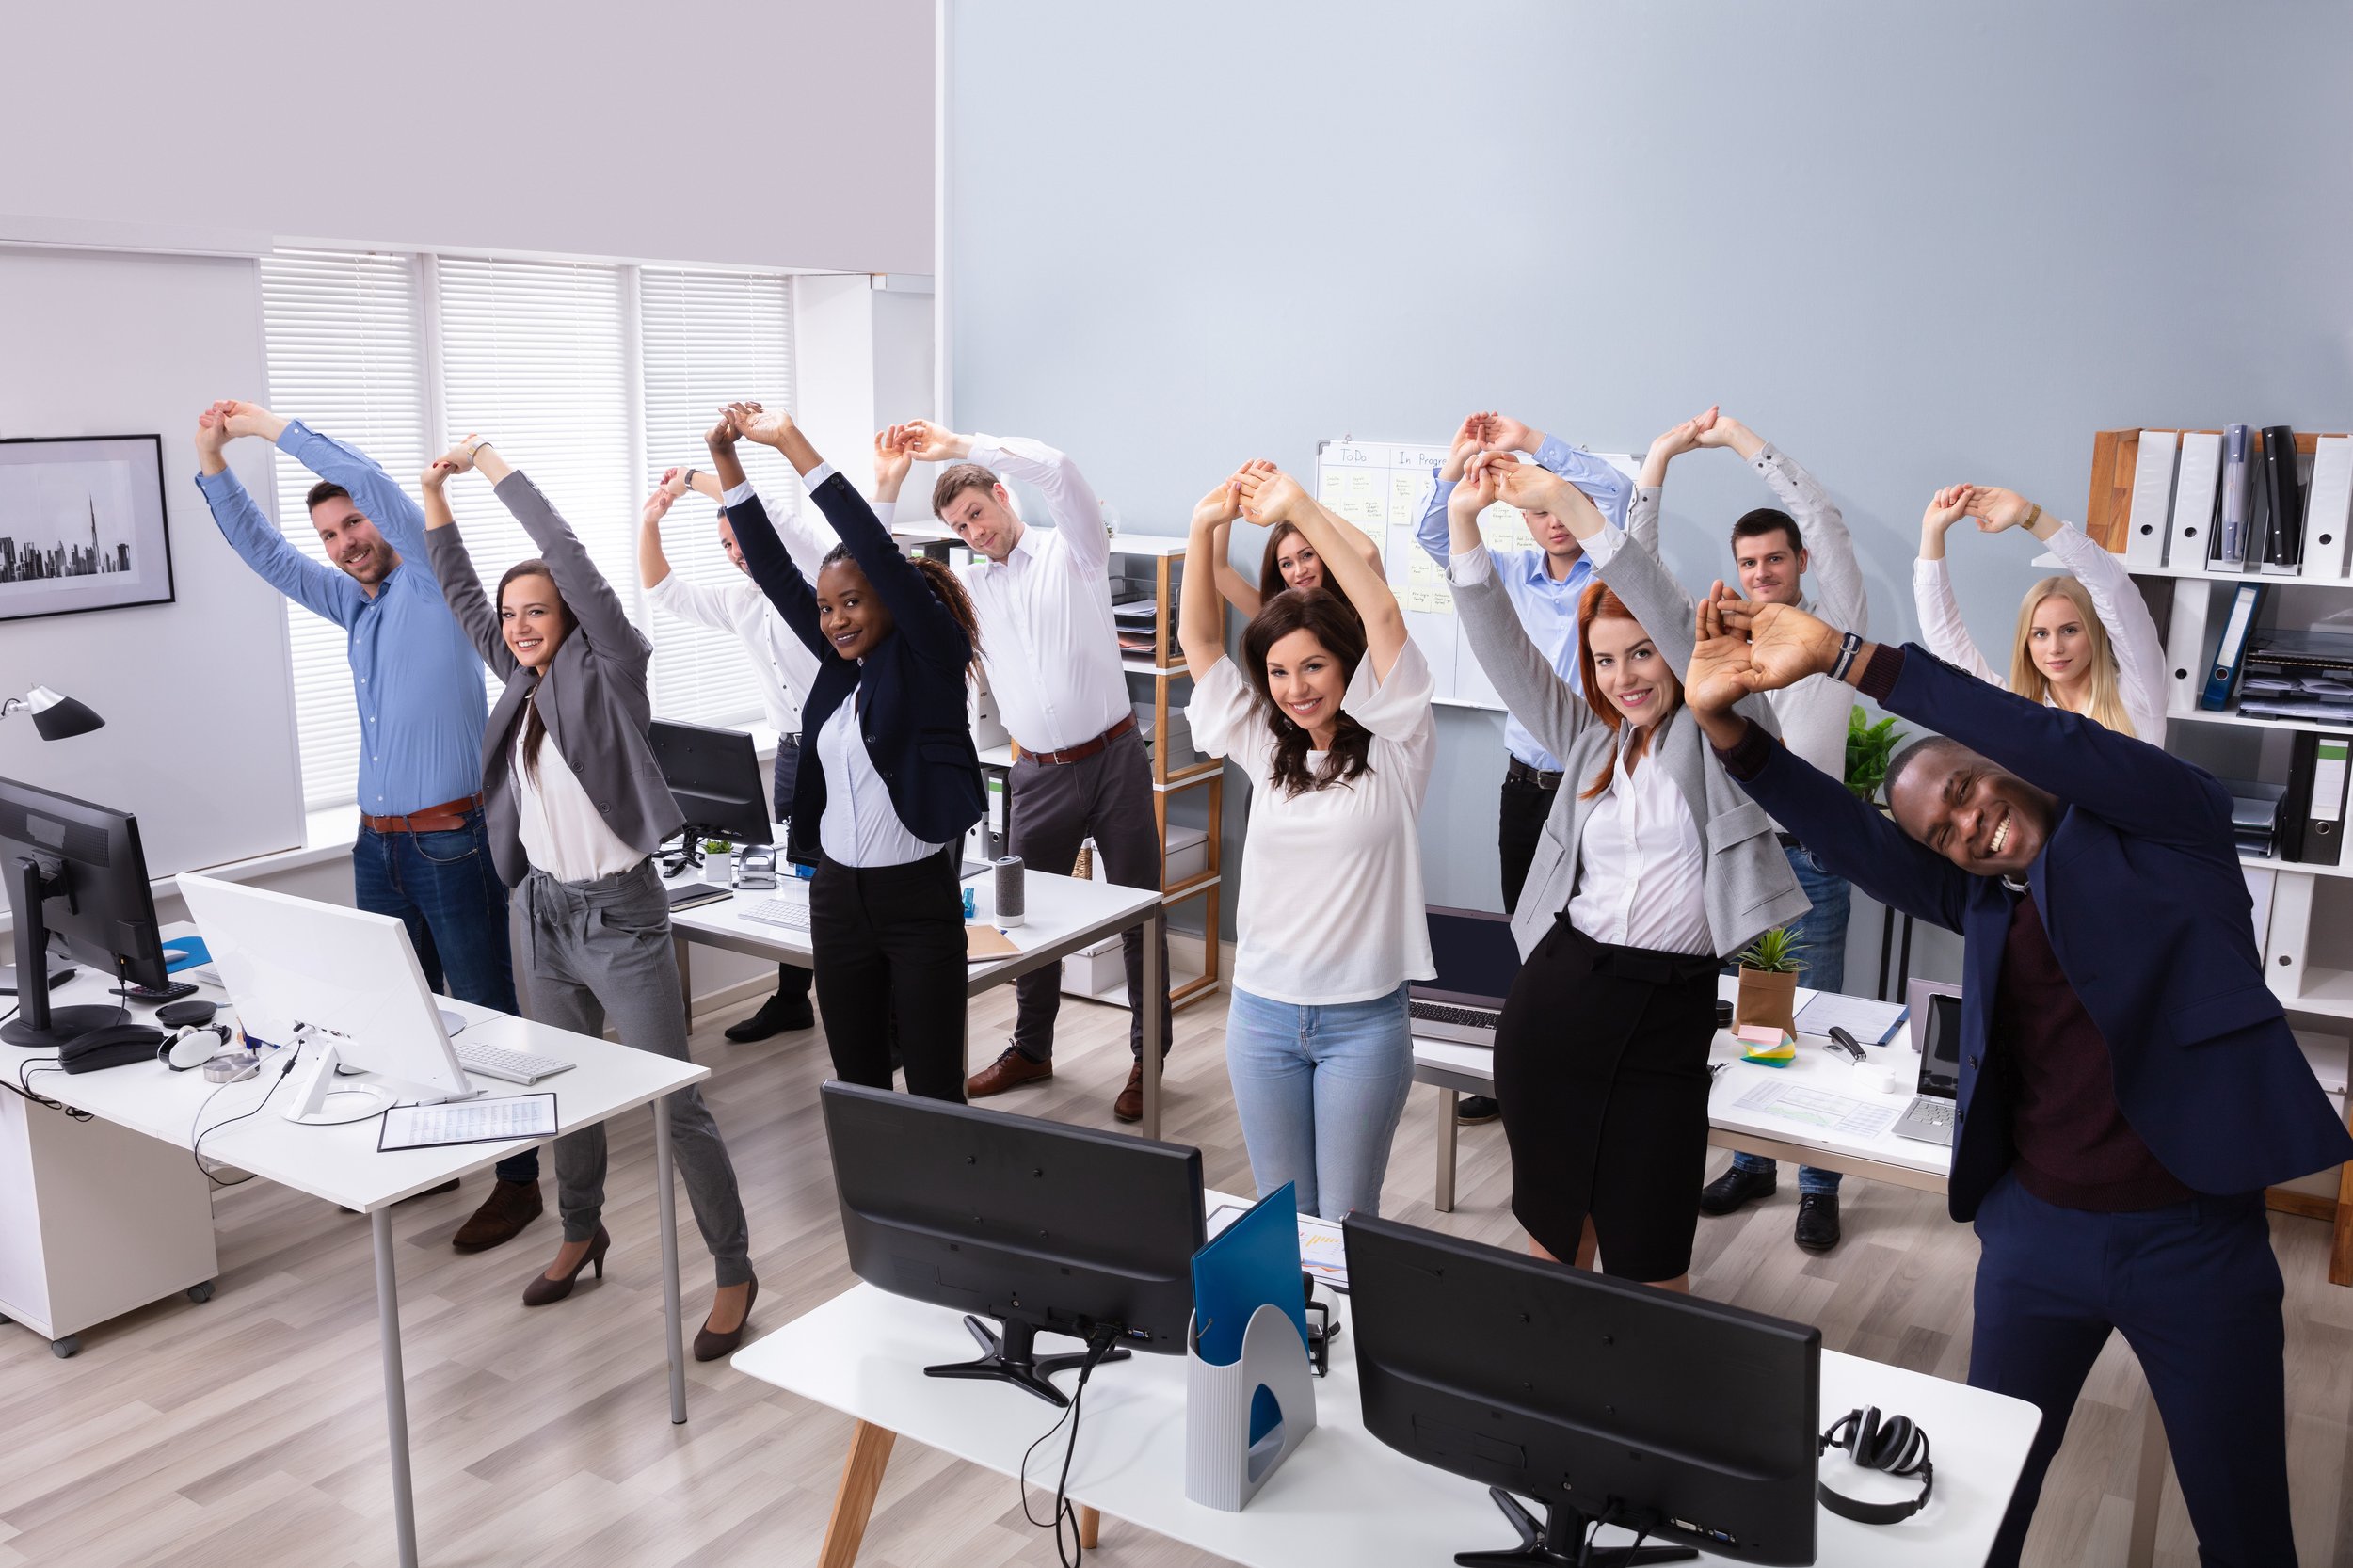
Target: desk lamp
[57,717]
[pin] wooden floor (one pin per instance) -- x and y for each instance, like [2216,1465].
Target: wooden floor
[249,1432]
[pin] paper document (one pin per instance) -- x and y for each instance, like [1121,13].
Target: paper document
[474,1121]
[1320,1249]
[1813,1108]
[1872,1023]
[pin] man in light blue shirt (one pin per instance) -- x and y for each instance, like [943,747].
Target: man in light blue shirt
[422,852]
[1544,584]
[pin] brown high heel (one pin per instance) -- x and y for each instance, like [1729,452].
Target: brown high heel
[710,1346]
[542,1290]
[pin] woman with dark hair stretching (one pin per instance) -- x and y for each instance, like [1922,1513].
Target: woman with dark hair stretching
[1292,560]
[1652,864]
[576,806]
[898,782]
[1330,716]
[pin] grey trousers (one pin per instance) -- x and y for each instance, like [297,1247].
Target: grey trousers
[1055,807]
[594,949]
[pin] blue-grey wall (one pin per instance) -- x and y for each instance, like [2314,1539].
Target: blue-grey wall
[1911,244]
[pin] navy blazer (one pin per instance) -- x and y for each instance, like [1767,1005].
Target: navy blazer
[912,687]
[2140,889]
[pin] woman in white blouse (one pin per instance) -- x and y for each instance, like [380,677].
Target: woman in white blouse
[2085,643]
[1330,716]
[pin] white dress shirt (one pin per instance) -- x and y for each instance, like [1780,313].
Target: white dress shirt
[1048,642]
[860,826]
[562,831]
[785,663]
[1639,868]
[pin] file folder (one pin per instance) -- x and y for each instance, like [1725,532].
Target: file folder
[2237,520]
[2230,652]
[2153,499]
[2324,822]
[2185,646]
[2329,510]
[2284,540]
[2191,532]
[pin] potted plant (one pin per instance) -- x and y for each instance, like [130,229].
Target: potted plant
[1868,748]
[1769,981]
[719,862]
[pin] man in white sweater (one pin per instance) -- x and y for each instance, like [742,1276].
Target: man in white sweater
[1773,551]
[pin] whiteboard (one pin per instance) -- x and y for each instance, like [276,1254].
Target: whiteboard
[1382,487]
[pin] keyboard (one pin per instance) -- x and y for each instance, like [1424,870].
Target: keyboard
[790,913]
[510,1066]
[1440,1012]
[148,996]
[1932,1113]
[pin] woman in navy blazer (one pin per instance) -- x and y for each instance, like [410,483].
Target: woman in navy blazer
[897,783]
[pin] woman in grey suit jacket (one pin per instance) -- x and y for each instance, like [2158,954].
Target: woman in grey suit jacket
[576,806]
[1652,864]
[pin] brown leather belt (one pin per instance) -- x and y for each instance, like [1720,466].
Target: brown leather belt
[1084,749]
[444,817]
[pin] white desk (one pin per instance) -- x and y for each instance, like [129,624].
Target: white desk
[1344,1497]
[1065,914]
[341,1166]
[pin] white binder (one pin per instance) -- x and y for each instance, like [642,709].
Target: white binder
[2153,499]
[2328,511]
[2291,923]
[2185,646]
[2189,540]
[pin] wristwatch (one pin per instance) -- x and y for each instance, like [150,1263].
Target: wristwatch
[474,447]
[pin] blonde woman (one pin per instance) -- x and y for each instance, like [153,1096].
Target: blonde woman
[2085,643]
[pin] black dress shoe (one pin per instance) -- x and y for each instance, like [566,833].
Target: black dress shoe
[1735,1187]
[1818,1221]
[1476,1111]
[778,1015]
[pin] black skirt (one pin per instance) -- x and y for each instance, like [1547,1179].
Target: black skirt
[1601,1070]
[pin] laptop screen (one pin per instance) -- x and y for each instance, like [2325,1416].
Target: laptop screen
[1940,1050]
[1476,958]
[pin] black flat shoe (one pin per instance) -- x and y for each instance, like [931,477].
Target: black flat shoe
[1476,1111]
[778,1015]
[1818,1221]
[1736,1188]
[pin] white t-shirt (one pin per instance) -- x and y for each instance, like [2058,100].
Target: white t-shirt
[1331,907]
[563,832]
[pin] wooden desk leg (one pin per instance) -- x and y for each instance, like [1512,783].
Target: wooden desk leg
[1090,1526]
[2149,1490]
[854,1499]
[1444,1200]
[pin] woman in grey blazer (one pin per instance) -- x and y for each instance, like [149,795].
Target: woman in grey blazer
[1652,865]
[576,806]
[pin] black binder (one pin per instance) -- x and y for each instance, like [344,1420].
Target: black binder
[2296,808]
[2284,541]
[2317,785]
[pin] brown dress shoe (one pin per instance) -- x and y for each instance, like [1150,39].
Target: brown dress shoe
[1009,1071]
[541,1290]
[710,1346]
[511,1206]
[1129,1107]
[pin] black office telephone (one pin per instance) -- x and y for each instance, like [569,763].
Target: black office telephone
[109,1046]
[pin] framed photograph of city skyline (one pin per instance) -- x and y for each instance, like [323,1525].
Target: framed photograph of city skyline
[81,525]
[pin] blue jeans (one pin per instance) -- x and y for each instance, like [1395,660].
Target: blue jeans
[1822,966]
[1319,1091]
[443,888]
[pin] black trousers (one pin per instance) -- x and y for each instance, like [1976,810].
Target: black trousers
[791,980]
[890,942]
[1518,826]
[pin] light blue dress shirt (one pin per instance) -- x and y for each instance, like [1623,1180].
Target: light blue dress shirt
[415,678]
[1548,609]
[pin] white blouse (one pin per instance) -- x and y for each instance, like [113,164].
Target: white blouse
[562,831]
[860,827]
[2140,679]
[1640,869]
[1331,908]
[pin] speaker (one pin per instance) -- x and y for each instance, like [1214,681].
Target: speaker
[1012,900]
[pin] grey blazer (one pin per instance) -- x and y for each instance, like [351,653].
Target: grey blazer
[594,703]
[1748,885]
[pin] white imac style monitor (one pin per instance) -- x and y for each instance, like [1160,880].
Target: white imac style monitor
[342,983]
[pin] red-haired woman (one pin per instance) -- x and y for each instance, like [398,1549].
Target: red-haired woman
[1653,864]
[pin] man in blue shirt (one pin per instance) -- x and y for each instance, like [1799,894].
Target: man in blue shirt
[422,852]
[1544,584]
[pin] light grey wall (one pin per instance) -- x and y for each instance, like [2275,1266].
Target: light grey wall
[1913,245]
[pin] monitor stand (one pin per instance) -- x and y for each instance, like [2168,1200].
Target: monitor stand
[1560,1542]
[320,1101]
[38,1025]
[1013,1358]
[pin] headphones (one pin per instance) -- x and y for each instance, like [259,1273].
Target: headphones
[192,1046]
[1895,1446]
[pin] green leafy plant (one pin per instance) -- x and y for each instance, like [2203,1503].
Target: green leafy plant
[1868,748]
[1774,951]
[716,846]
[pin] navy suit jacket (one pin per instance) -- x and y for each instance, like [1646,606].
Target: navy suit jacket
[2140,889]
[911,688]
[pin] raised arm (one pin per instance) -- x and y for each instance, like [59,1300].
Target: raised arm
[2140,664]
[387,505]
[1838,591]
[1270,496]
[1642,516]
[1242,594]
[1534,691]
[1070,500]
[804,539]
[598,613]
[454,569]
[318,588]
[1941,626]
[1200,623]
[1603,484]
[1434,532]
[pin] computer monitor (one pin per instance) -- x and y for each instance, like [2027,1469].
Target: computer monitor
[75,870]
[342,983]
[1044,1227]
[1933,1009]
[1607,1403]
[714,776]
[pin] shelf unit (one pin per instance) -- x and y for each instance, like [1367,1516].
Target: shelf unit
[2308,925]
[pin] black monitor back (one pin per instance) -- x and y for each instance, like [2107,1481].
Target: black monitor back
[1017,1218]
[1569,1387]
[714,775]
[102,905]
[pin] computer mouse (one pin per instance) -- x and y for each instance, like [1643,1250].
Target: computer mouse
[113,1045]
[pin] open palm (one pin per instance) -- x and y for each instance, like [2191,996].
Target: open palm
[1786,645]
[1722,671]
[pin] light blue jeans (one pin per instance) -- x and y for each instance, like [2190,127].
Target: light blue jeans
[1822,965]
[1319,1091]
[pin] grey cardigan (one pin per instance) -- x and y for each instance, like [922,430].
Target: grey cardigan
[1748,883]
[595,703]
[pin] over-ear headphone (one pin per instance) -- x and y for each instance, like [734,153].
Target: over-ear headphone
[192,1046]
[1896,1446]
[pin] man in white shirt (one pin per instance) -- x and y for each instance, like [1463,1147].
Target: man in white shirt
[1051,654]
[783,662]
[1772,551]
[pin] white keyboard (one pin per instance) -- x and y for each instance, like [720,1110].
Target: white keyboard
[790,913]
[510,1066]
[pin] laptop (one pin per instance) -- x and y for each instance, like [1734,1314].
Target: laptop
[1476,962]
[1935,1012]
